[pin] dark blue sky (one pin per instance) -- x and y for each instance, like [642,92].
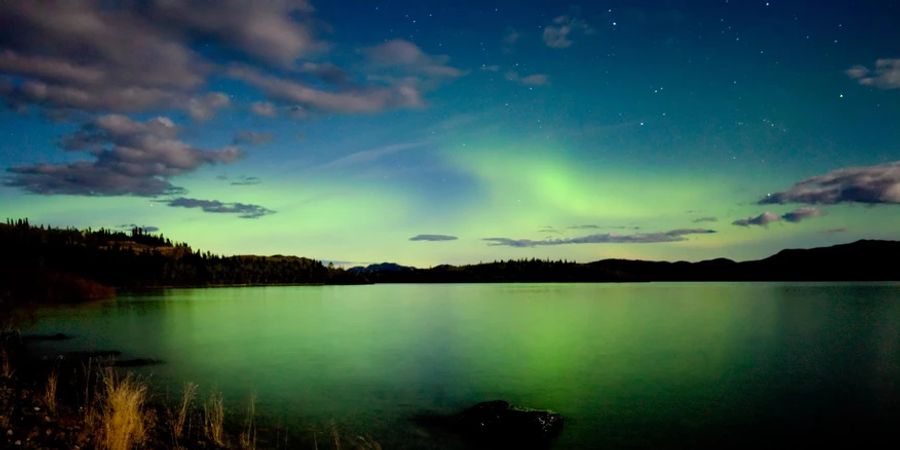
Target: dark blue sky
[340,130]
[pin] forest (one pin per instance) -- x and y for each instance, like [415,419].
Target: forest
[45,263]
[41,263]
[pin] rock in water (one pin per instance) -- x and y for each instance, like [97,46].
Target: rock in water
[497,424]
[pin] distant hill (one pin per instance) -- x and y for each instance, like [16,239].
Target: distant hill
[381,268]
[865,260]
[39,263]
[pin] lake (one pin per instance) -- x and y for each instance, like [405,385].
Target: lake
[654,365]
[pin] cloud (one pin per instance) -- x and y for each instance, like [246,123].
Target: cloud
[130,158]
[241,180]
[354,100]
[265,109]
[371,155]
[251,138]
[705,219]
[557,34]
[243,210]
[885,74]
[834,231]
[584,227]
[95,56]
[537,79]
[268,31]
[767,217]
[869,184]
[605,238]
[511,36]
[153,56]
[403,54]
[206,106]
[433,237]
[801,214]
[137,56]
[762,220]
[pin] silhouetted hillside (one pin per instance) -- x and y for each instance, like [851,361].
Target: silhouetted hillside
[862,260]
[39,263]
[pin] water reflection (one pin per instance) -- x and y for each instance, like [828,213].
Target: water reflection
[628,365]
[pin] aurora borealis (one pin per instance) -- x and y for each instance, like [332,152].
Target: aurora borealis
[456,132]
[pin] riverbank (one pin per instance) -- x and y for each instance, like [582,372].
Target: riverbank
[90,400]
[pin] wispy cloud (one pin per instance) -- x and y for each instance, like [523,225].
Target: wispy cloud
[371,155]
[549,229]
[367,99]
[801,214]
[604,238]
[407,56]
[559,33]
[265,109]
[705,219]
[433,237]
[761,220]
[834,231]
[130,158]
[241,180]
[511,36]
[767,217]
[885,74]
[536,79]
[868,184]
[251,138]
[242,210]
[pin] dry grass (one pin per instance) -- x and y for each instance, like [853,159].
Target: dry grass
[180,417]
[335,437]
[122,415]
[214,419]
[248,435]
[50,392]
[367,443]
[5,367]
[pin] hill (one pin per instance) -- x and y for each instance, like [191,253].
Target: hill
[40,263]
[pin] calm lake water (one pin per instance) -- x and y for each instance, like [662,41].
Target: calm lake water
[657,365]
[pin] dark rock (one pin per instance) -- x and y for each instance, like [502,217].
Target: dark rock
[46,337]
[95,354]
[497,424]
[137,362]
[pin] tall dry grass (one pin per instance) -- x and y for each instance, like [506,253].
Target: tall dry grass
[180,417]
[50,392]
[123,419]
[248,434]
[335,437]
[6,369]
[214,418]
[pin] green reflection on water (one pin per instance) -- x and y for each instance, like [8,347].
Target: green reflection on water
[637,365]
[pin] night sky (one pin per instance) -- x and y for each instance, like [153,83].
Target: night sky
[459,131]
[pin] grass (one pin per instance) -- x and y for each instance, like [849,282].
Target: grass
[214,418]
[123,418]
[180,417]
[248,435]
[335,436]
[50,392]
[115,412]
[5,367]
